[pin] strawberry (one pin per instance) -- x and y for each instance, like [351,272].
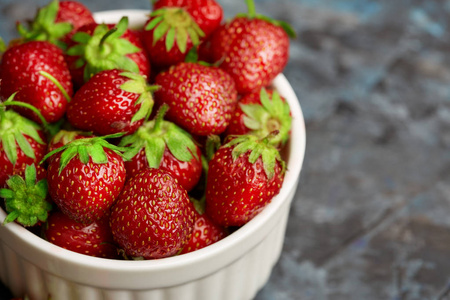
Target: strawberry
[26,197]
[153,217]
[98,47]
[201,98]
[85,177]
[38,73]
[206,232]
[94,239]
[111,101]
[169,34]
[162,144]
[206,13]
[254,49]
[22,142]
[244,175]
[261,113]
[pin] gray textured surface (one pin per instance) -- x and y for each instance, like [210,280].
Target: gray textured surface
[370,219]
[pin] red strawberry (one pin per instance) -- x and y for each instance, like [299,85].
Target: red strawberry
[40,76]
[207,13]
[201,98]
[205,233]
[164,145]
[111,101]
[75,13]
[99,47]
[22,142]
[169,35]
[243,176]
[26,197]
[253,49]
[261,113]
[153,217]
[94,239]
[85,177]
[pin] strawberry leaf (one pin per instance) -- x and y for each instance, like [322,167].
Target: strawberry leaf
[25,199]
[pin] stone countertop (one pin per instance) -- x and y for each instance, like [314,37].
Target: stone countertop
[370,219]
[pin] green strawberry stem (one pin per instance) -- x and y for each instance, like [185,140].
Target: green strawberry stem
[213,143]
[2,46]
[104,50]
[253,15]
[86,149]
[57,83]
[10,101]
[258,148]
[177,25]
[25,200]
[154,136]
[44,27]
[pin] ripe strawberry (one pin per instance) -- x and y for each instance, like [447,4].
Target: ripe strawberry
[169,34]
[254,49]
[38,73]
[201,98]
[261,113]
[163,145]
[206,232]
[98,47]
[85,177]
[206,13]
[243,176]
[22,142]
[153,217]
[94,239]
[26,197]
[111,101]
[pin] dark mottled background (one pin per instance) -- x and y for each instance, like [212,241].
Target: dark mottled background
[371,215]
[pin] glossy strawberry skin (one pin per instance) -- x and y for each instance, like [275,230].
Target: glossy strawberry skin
[7,169]
[140,58]
[236,191]
[94,239]
[102,107]
[153,217]
[19,72]
[75,13]
[253,51]
[201,98]
[206,232]
[207,13]
[86,192]
[186,173]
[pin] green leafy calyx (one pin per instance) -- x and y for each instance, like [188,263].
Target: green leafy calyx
[87,149]
[105,49]
[13,129]
[25,199]
[154,136]
[253,15]
[177,25]
[257,148]
[272,114]
[44,27]
[138,84]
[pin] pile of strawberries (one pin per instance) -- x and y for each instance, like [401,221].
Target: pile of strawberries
[141,143]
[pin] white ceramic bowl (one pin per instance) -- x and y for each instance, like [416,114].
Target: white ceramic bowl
[234,268]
